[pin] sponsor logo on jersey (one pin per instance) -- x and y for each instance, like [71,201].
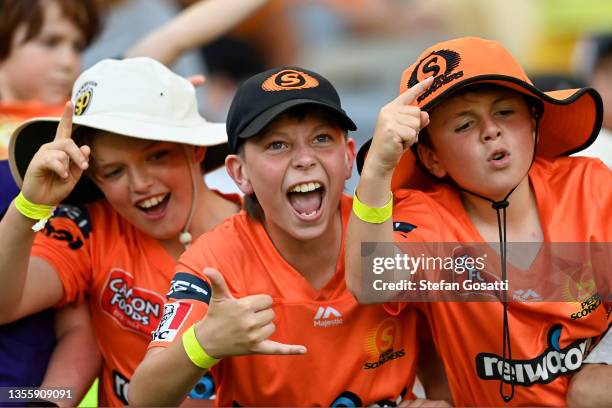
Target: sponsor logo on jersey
[289,79]
[204,388]
[347,399]
[133,308]
[587,307]
[327,316]
[175,314]
[552,363]
[526,295]
[79,216]
[120,386]
[439,64]
[187,286]
[384,343]
[403,228]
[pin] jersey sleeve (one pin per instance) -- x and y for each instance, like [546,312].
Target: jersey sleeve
[190,290]
[66,244]
[413,223]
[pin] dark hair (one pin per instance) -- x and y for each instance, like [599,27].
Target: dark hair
[300,112]
[13,13]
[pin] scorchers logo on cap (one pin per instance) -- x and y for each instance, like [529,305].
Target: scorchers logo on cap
[82,99]
[439,64]
[289,79]
[133,308]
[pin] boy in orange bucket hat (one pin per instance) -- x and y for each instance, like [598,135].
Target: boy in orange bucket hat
[489,166]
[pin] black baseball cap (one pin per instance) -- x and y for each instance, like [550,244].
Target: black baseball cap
[264,96]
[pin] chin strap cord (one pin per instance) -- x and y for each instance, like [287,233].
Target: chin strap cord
[185,237]
[500,208]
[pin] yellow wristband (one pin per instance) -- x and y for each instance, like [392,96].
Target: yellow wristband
[373,215]
[195,352]
[33,211]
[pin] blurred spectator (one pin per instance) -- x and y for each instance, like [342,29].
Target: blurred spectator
[593,59]
[40,46]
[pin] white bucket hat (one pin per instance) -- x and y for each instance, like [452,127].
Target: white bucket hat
[136,97]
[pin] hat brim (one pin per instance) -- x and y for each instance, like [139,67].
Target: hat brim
[570,122]
[27,139]
[261,121]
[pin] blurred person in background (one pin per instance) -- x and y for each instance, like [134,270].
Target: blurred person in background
[593,60]
[40,47]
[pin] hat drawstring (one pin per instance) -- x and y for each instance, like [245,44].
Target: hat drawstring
[185,237]
[500,206]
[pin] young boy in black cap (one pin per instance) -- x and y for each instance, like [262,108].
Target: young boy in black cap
[290,156]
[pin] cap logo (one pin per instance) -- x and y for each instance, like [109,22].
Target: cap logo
[83,97]
[289,79]
[439,64]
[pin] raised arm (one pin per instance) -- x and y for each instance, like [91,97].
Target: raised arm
[195,26]
[396,130]
[27,286]
[231,327]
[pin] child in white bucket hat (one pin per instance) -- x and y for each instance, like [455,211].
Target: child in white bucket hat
[115,242]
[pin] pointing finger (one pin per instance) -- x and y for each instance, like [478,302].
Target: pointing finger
[64,129]
[410,94]
[273,347]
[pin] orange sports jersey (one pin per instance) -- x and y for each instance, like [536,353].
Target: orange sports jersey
[549,340]
[122,272]
[357,355]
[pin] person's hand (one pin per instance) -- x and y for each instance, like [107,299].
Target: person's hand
[421,402]
[397,128]
[56,167]
[238,326]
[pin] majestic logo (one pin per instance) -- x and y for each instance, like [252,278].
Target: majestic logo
[133,308]
[289,79]
[528,295]
[551,364]
[83,97]
[175,314]
[439,64]
[384,343]
[327,316]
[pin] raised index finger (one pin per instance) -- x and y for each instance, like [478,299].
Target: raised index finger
[410,94]
[64,129]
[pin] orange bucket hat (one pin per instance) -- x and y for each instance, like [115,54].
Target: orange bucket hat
[570,120]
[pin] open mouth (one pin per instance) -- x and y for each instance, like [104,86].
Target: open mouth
[306,199]
[499,157]
[154,206]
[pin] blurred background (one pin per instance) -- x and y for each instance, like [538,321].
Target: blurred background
[363,46]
